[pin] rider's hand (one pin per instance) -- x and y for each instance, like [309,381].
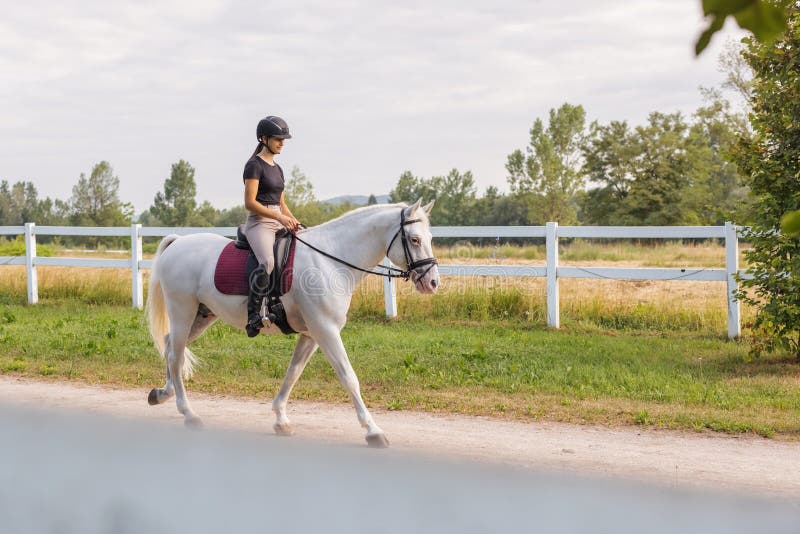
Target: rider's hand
[289,222]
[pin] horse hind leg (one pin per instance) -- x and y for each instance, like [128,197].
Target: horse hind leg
[162,395]
[182,311]
[176,359]
[202,321]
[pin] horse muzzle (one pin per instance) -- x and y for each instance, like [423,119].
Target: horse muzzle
[426,279]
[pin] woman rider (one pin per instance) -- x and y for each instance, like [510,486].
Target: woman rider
[268,212]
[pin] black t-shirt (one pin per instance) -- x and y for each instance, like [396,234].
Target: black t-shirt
[270,180]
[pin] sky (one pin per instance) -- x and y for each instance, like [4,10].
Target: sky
[369,88]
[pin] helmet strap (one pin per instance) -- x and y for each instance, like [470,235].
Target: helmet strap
[266,145]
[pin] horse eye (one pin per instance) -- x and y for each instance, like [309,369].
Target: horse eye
[415,241]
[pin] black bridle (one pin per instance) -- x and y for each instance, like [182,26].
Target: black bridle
[391,272]
[411,266]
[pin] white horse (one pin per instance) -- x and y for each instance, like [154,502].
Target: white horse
[316,306]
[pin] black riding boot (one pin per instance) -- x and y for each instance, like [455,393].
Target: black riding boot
[259,283]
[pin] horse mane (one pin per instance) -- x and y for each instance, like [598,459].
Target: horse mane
[345,217]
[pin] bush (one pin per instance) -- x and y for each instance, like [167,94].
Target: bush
[770,158]
[16,247]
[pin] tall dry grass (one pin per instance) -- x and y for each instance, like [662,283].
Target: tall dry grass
[707,253]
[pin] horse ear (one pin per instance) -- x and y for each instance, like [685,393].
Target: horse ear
[414,207]
[428,207]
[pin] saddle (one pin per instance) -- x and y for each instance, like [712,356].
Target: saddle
[237,262]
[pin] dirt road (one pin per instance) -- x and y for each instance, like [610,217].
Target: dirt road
[702,460]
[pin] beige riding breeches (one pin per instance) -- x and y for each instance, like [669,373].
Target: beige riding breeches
[260,232]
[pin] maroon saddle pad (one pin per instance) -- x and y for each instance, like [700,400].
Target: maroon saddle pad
[230,277]
[230,274]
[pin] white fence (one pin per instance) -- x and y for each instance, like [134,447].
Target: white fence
[552,271]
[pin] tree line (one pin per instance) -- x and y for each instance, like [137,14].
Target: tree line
[95,201]
[672,170]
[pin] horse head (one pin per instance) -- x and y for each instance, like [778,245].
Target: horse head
[414,249]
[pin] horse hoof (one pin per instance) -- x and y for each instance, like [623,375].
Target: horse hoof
[377,441]
[283,429]
[152,398]
[194,423]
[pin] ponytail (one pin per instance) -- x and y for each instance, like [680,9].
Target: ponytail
[258,149]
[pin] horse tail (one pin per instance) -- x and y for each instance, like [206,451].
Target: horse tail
[157,318]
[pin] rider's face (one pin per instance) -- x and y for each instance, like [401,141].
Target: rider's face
[275,144]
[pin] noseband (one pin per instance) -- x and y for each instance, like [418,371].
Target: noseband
[391,272]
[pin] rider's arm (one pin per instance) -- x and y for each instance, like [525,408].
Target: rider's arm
[254,206]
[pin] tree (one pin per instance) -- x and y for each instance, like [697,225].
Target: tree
[769,157]
[299,190]
[410,188]
[610,162]
[766,20]
[668,171]
[455,196]
[204,215]
[176,205]
[494,209]
[371,201]
[662,172]
[231,216]
[405,188]
[299,195]
[547,174]
[717,192]
[738,74]
[95,200]
[20,203]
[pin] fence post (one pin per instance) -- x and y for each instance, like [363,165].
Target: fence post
[732,267]
[389,292]
[137,289]
[30,266]
[551,246]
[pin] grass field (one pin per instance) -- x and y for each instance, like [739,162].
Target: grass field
[646,353]
[498,368]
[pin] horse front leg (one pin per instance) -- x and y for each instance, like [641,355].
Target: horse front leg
[331,343]
[302,353]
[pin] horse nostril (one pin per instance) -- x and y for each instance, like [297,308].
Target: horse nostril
[434,283]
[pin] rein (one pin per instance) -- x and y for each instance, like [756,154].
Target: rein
[391,272]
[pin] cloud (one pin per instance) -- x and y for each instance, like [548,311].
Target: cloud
[370,88]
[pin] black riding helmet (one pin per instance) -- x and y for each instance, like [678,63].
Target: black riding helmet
[272,126]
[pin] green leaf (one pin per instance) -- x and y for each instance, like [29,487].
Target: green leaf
[725,7]
[765,20]
[790,223]
[705,37]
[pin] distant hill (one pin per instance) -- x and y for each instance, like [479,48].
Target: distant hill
[357,200]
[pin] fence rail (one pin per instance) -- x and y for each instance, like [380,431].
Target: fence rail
[551,271]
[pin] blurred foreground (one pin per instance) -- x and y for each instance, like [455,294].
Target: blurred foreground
[84,474]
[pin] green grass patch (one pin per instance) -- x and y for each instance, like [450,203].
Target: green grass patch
[16,247]
[507,369]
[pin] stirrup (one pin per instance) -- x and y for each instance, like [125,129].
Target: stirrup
[254,328]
